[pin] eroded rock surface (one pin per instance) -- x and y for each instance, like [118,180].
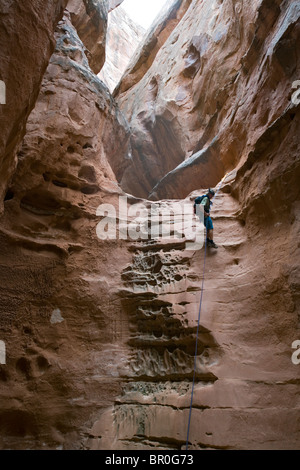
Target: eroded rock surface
[54,274]
[90,20]
[221,78]
[27,42]
[159,31]
[241,386]
[100,327]
[123,37]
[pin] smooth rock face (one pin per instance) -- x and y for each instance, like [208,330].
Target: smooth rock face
[205,100]
[100,290]
[123,37]
[22,69]
[112,4]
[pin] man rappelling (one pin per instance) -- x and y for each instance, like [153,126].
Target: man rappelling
[206,202]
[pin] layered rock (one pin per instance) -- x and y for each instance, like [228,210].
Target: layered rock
[159,31]
[100,301]
[123,37]
[274,67]
[250,308]
[27,42]
[212,75]
[56,286]
[246,386]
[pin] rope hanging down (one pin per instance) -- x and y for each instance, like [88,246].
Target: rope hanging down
[198,325]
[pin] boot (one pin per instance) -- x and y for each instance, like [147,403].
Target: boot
[211,243]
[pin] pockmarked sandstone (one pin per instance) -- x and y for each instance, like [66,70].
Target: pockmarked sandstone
[98,333]
[21,70]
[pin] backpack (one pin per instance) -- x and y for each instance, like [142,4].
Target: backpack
[198,200]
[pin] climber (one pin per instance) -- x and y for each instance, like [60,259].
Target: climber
[206,202]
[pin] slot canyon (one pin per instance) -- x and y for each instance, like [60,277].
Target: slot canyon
[104,124]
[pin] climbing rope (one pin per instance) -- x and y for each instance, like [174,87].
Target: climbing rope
[198,325]
[196,347]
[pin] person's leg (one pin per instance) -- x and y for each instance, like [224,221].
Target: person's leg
[206,229]
[210,233]
[209,229]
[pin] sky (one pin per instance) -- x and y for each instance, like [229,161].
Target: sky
[143,11]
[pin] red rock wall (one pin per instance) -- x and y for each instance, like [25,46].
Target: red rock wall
[27,42]
[59,282]
[123,37]
[100,334]
[246,387]
[205,101]
[155,37]
[90,20]
[250,311]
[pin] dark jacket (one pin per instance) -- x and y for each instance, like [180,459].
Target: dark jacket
[206,202]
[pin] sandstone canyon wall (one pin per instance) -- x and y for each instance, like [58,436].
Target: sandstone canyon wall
[203,103]
[27,42]
[123,37]
[100,333]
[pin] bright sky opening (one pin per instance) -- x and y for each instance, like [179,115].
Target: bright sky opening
[143,12]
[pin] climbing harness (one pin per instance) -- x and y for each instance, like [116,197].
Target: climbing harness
[198,325]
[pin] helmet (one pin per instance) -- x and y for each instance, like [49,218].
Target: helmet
[211,191]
